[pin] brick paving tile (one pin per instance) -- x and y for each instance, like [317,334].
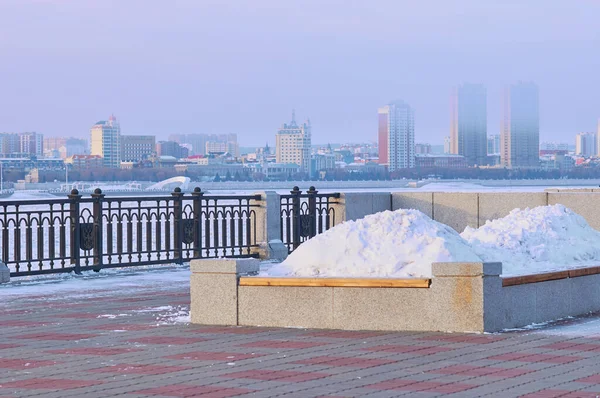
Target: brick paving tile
[166,340]
[77,315]
[58,336]
[139,369]
[551,393]
[277,375]
[277,344]
[414,385]
[490,371]
[193,391]
[214,356]
[6,346]
[121,326]
[348,361]
[102,351]
[49,384]
[470,339]
[590,379]
[228,330]
[560,359]
[416,349]
[19,364]
[341,334]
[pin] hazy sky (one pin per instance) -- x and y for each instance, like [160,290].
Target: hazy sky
[218,66]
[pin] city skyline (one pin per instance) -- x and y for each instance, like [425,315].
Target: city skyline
[207,67]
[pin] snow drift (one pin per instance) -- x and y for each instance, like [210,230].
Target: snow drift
[536,240]
[397,244]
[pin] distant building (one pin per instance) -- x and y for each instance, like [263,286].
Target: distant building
[137,147]
[447,145]
[468,128]
[323,162]
[422,149]
[520,136]
[598,139]
[585,144]
[554,146]
[222,147]
[294,144]
[171,148]
[396,136]
[31,143]
[197,142]
[81,162]
[493,144]
[9,143]
[106,142]
[446,161]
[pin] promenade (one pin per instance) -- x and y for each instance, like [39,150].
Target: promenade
[126,334]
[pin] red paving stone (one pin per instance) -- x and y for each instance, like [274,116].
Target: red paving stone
[345,361]
[78,315]
[545,358]
[167,340]
[277,344]
[139,369]
[425,386]
[229,330]
[49,384]
[19,323]
[20,364]
[340,334]
[6,346]
[470,339]
[289,376]
[214,356]
[590,379]
[101,351]
[550,393]
[468,370]
[58,336]
[573,347]
[402,349]
[121,326]
[183,390]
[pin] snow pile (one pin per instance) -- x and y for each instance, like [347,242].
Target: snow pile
[398,244]
[536,240]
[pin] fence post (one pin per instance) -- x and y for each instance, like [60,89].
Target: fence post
[178,225]
[312,210]
[98,196]
[75,197]
[197,197]
[296,192]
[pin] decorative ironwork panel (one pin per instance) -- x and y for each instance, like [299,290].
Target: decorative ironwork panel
[86,236]
[188,231]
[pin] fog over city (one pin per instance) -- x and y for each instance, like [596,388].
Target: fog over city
[222,66]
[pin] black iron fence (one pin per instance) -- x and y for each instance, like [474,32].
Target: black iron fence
[76,234]
[305,215]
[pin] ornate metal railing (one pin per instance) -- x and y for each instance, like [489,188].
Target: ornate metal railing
[305,215]
[76,234]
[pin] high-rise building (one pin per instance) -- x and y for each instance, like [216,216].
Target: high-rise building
[10,143]
[197,142]
[66,147]
[106,142]
[598,139]
[137,147]
[294,144]
[171,148]
[520,134]
[585,144]
[447,144]
[493,144]
[397,136]
[422,149]
[31,143]
[468,126]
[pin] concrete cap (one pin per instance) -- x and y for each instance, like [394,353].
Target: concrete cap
[226,265]
[466,269]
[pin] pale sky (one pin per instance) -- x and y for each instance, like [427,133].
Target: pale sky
[221,66]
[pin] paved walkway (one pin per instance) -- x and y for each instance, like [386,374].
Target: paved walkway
[126,336]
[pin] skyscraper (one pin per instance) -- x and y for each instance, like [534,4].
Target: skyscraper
[520,134]
[468,125]
[598,139]
[397,136]
[493,144]
[585,144]
[106,142]
[294,144]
